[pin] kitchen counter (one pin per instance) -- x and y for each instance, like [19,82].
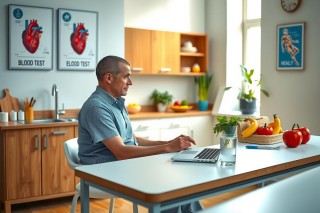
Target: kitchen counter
[148,112]
[151,115]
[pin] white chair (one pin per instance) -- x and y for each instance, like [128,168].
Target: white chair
[71,150]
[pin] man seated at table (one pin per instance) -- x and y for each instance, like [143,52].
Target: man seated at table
[105,133]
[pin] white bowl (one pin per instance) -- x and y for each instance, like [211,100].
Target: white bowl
[189,49]
[185,69]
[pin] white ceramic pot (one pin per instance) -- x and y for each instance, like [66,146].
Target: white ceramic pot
[162,107]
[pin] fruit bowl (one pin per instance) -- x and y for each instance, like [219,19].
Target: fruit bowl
[181,108]
[133,109]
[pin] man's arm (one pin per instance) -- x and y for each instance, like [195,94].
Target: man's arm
[121,151]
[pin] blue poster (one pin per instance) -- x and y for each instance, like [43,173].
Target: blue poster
[290,46]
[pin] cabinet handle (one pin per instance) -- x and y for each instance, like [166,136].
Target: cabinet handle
[62,132]
[141,128]
[36,142]
[45,141]
[165,69]
[136,69]
[172,126]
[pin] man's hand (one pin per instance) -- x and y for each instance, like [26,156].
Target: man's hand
[180,143]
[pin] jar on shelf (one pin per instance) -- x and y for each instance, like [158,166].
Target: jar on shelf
[196,68]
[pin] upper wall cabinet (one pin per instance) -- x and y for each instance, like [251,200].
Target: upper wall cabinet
[138,49]
[152,52]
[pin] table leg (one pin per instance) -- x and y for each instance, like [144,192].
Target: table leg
[84,196]
[154,208]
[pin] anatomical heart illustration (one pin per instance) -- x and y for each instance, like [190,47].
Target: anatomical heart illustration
[31,36]
[79,37]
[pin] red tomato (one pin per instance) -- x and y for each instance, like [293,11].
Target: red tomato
[264,130]
[305,134]
[292,138]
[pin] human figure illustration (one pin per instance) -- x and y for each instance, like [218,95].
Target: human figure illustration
[287,45]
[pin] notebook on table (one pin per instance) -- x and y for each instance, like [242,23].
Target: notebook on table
[197,154]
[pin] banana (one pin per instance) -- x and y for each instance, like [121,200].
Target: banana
[252,128]
[276,125]
[271,124]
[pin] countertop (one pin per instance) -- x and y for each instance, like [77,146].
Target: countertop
[138,116]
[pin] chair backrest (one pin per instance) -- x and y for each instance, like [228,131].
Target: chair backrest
[71,149]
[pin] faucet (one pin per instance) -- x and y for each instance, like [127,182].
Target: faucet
[56,105]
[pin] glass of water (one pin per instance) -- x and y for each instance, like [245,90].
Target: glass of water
[228,149]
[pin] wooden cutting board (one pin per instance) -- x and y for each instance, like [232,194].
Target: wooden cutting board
[9,103]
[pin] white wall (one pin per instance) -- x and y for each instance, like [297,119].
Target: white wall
[74,86]
[294,95]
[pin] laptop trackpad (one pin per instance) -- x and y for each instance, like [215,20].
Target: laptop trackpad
[189,152]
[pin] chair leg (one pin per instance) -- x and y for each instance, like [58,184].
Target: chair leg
[111,206]
[74,203]
[135,208]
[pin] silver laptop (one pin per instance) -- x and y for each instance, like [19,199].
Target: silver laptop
[197,154]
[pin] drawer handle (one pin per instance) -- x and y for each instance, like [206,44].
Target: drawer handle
[165,69]
[173,126]
[142,128]
[45,141]
[136,69]
[62,132]
[36,142]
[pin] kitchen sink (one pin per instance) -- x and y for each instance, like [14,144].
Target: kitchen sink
[46,121]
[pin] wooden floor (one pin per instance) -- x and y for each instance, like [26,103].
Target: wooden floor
[63,205]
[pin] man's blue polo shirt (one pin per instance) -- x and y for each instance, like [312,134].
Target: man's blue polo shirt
[102,117]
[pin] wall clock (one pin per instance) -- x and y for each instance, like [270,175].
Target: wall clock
[290,5]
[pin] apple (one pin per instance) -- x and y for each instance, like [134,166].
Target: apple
[305,134]
[177,103]
[185,103]
[292,138]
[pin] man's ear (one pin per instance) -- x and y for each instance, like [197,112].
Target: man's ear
[108,78]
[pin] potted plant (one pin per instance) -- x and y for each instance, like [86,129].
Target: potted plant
[248,89]
[161,99]
[203,83]
[226,125]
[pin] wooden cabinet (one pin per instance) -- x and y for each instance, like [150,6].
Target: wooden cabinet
[165,52]
[188,59]
[34,164]
[138,49]
[159,52]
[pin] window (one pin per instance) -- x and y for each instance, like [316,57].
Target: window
[252,34]
[243,47]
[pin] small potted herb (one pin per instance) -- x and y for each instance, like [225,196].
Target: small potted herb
[203,83]
[161,99]
[225,125]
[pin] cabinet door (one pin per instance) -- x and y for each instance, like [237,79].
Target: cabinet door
[23,163]
[138,49]
[57,177]
[173,127]
[165,50]
[146,129]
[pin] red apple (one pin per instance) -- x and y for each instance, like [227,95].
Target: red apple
[177,103]
[292,138]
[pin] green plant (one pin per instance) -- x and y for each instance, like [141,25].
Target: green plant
[161,97]
[224,123]
[249,86]
[203,83]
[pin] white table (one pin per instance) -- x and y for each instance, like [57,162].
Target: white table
[157,183]
[296,194]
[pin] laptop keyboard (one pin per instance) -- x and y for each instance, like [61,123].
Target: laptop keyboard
[208,154]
